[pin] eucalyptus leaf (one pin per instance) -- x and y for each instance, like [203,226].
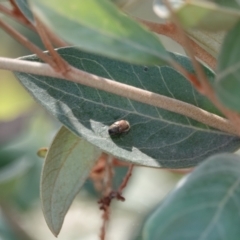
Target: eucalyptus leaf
[67,166]
[25,9]
[198,14]
[99,27]
[157,137]
[227,83]
[204,205]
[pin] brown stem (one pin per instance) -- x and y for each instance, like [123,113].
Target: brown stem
[55,39]
[25,42]
[6,11]
[126,179]
[18,14]
[18,19]
[58,42]
[109,175]
[190,77]
[106,196]
[124,90]
[170,30]
[206,87]
[14,5]
[186,45]
[61,65]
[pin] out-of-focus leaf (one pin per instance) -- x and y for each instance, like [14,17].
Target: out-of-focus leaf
[25,9]
[227,83]
[11,129]
[13,165]
[198,14]
[125,4]
[157,137]
[27,189]
[235,4]
[97,26]
[67,166]
[6,233]
[21,187]
[204,205]
[210,41]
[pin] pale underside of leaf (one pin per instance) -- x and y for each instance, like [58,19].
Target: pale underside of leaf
[67,166]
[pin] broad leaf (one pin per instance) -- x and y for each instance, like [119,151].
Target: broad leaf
[98,26]
[67,166]
[204,205]
[203,15]
[157,137]
[228,71]
[25,9]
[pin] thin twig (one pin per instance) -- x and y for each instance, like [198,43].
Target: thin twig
[187,46]
[106,195]
[126,179]
[16,17]
[170,30]
[61,65]
[7,11]
[124,90]
[28,44]
[109,173]
[58,42]
[17,12]
[205,87]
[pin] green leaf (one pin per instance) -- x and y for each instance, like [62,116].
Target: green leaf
[227,83]
[203,15]
[25,9]
[157,137]
[204,205]
[67,166]
[99,27]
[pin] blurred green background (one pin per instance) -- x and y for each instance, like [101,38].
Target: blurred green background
[24,128]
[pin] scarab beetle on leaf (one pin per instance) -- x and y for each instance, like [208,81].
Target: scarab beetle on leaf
[119,127]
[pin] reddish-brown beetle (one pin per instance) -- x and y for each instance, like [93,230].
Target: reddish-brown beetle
[119,127]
